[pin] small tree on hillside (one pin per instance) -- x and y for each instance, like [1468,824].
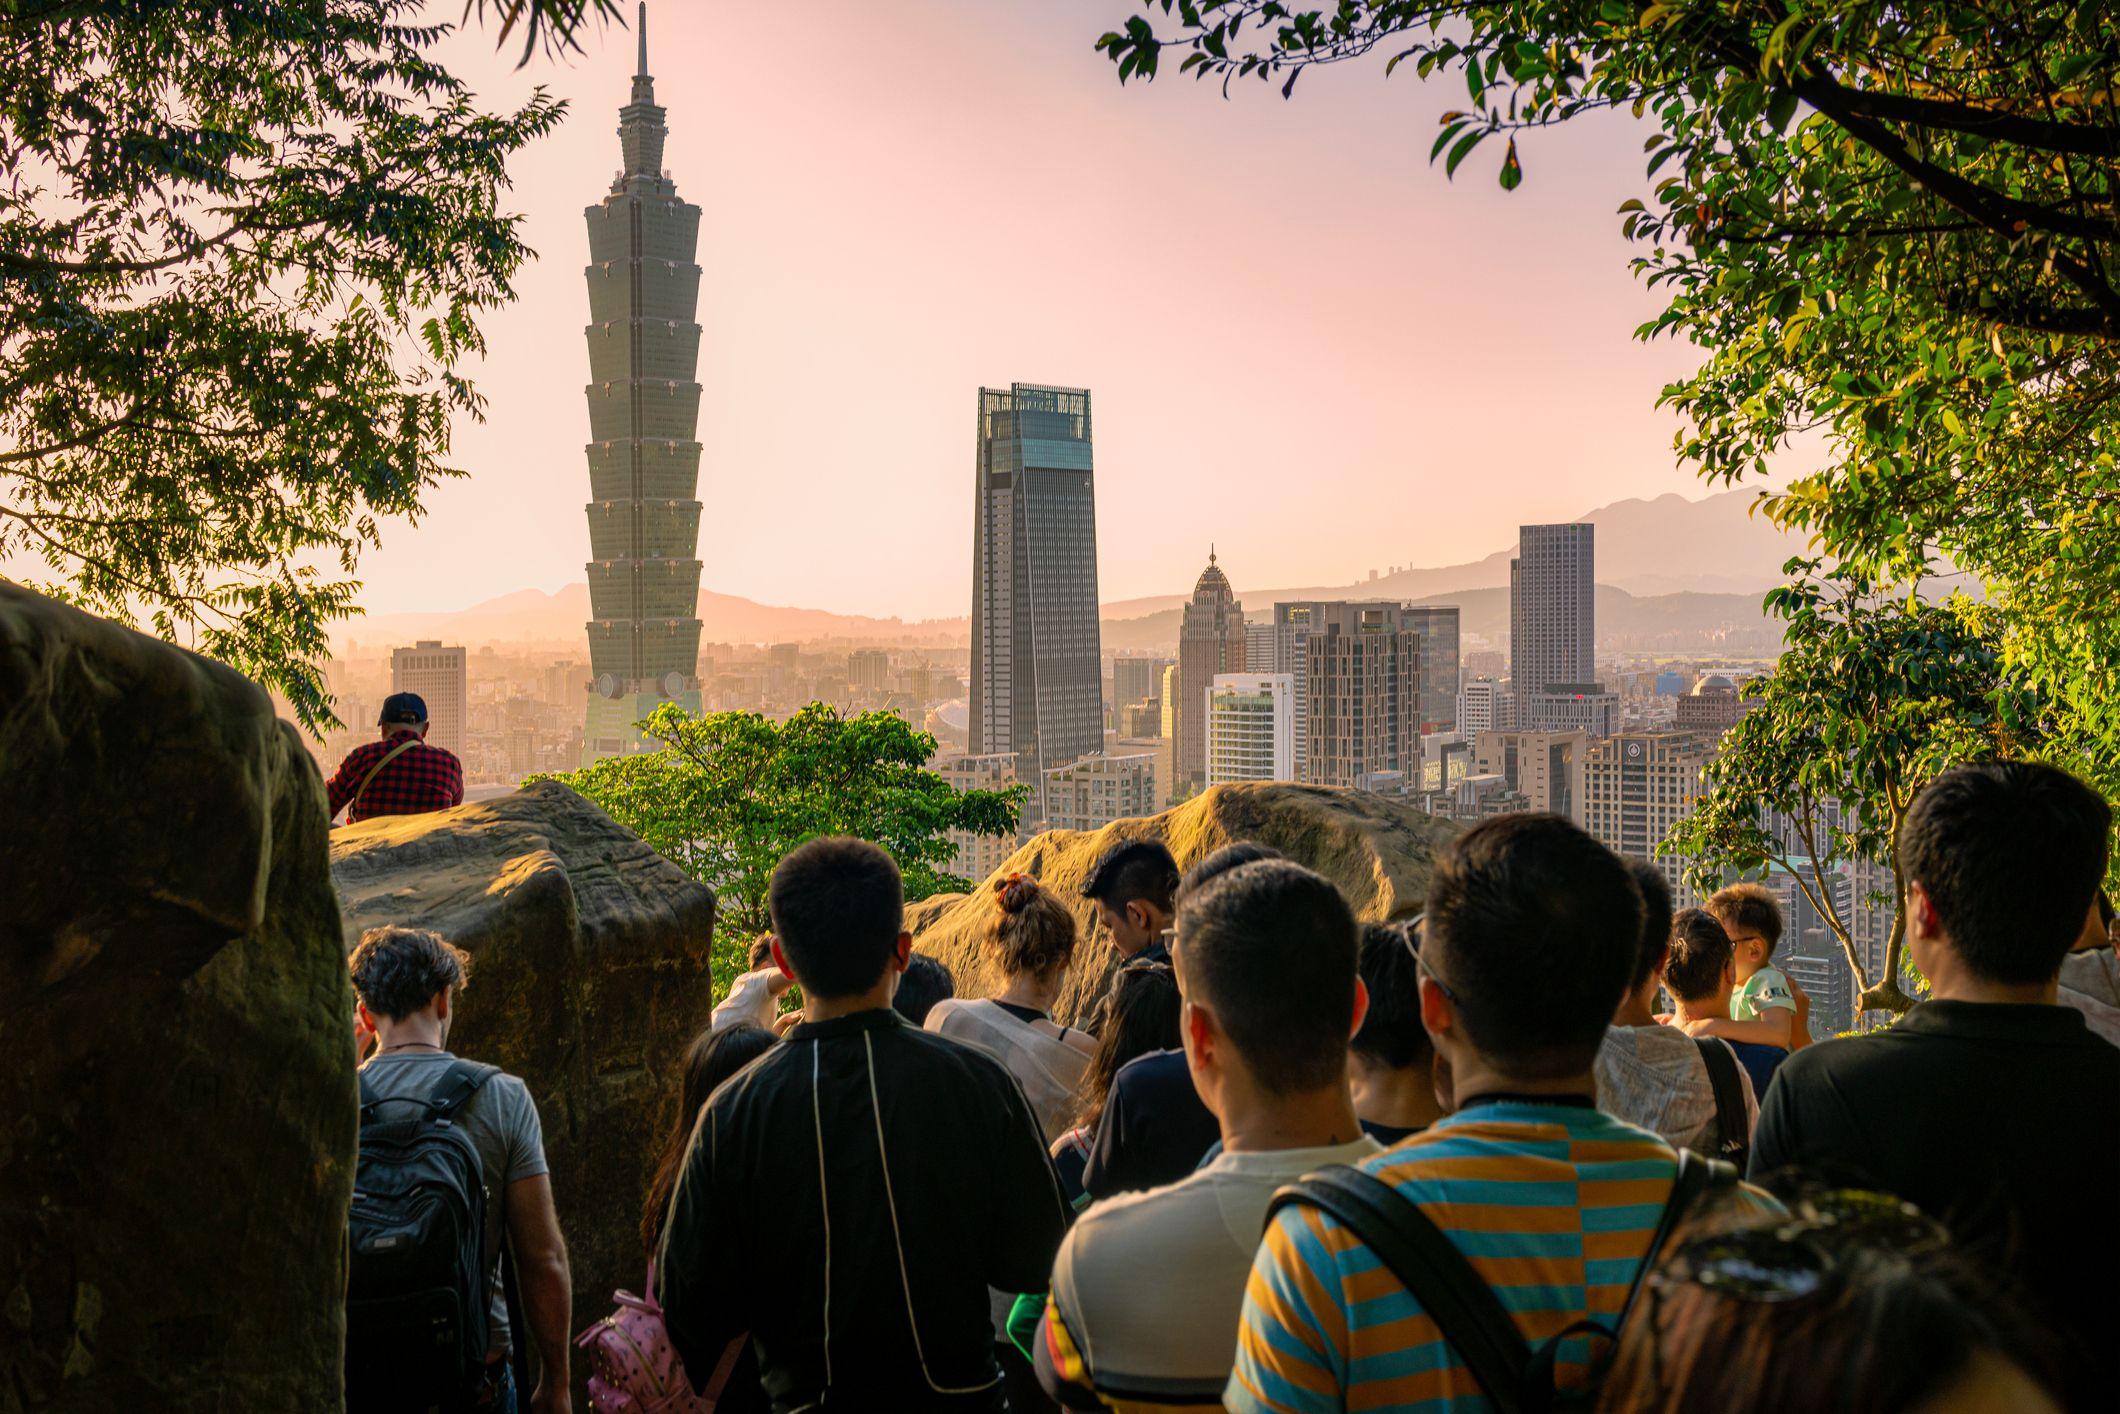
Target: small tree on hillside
[726,794]
[1872,697]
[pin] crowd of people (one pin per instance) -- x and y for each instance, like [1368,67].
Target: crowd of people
[1547,1140]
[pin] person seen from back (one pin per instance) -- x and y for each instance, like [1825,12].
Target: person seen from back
[852,1195]
[1530,939]
[1155,1129]
[1147,1287]
[1030,940]
[1700,974]
[1988,1105]
[1137,1015]
[1853,1302]
[2090,974]
[713,1057]
[401,774]
[1657,1076]
[406,981]
[1134,886]
[924,982]
[1765,1009]
[1391,1062]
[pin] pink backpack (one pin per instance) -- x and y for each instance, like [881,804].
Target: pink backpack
[633,1369]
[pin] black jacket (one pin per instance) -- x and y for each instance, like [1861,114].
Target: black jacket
[848,1199]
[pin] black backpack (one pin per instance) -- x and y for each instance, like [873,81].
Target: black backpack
[1516,1378]
[417,1282]
[1730,1118]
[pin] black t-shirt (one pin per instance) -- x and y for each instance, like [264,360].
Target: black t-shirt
[1154,1130]
[2001,1121]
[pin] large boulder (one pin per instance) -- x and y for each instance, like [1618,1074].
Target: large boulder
[177,1101]
[1375,849]
[588,979]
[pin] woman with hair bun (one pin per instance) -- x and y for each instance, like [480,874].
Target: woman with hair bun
[1031,938]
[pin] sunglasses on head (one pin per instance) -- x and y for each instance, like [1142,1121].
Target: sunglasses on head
[1797,1259]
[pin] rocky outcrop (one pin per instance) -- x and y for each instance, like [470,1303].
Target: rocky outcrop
[589,977]
[1376,850]
[177,1104]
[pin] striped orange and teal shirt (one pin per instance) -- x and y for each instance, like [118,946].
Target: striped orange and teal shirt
[1555,1205]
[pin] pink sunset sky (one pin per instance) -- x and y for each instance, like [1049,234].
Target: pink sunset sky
[1304,343]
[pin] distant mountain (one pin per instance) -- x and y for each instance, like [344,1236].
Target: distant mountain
[1668,545]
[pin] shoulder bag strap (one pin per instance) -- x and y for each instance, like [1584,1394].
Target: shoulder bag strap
[1696,1179]
[1430,1267]
[377,769]
[1729,1098]
[458,1083]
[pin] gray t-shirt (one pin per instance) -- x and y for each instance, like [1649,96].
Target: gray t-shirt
[501,1122]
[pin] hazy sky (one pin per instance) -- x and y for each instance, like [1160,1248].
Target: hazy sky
[1304,344]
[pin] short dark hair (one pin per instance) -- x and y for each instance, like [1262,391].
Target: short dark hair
[838,907]
[1700,950]
[1533,927]
[1656,918]
[1228,857]
[2010,854]
[1752,908]
[1392,1035]
[1134,870]
[923,983]
[398,971]
[1269,948]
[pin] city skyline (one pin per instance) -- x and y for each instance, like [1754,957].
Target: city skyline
[906,303]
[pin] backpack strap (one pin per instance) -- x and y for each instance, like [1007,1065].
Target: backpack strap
[377,769]
[458,1082]
[1451,1291]
[1728,1084]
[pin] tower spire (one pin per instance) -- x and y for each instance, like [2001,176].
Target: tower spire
[641,70]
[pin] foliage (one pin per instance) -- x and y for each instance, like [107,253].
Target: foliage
[726,794]
[1872,697]
[243,249]
[1897,225]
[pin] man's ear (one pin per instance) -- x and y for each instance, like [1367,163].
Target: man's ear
[1921,913]
[1436,1013]
[442,1002]
[902,955]
[1663,960]
[780,960]
[1361,1005]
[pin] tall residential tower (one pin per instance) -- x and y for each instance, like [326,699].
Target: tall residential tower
[1037,684]
[643,456]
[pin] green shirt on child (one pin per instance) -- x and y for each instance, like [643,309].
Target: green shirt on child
[1764,989]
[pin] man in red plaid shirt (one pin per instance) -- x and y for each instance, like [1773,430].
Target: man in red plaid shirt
[401,774]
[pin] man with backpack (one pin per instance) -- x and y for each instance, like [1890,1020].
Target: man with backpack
[451,1177]
[1519,1216]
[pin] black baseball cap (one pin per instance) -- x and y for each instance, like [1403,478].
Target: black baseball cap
[403,707]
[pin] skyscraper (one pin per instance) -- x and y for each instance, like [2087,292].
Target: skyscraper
[1136,679]
[438,675]
[1362,673]
[1037,687]
[643,459]
[1210,642]
[1552,609]
[1437,625]
[1250,728]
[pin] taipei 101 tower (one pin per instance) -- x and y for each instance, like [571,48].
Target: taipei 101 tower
[643,459]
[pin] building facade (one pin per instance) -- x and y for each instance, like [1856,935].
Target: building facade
[1097,790]
[643,454]
[1545,767]
[1210,643]
[868,670]
[1037,683]
[1137,678]
[437,673]
[1553,632]
[1485,705]
[1250,728]
[1636,786]
[1437,625]
[978,856]
[1362,674]
[1713,706]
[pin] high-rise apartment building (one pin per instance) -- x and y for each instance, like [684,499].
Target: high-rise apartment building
[1546,767]
[1437,625]
[1293,623]
[643,456]
[437,674]
[1636,786]
[1261,650]
[1250,728]
[1362,675]
[1137,678]
[1097,790]
[1485,705]
[1210,643]
[1037,682]
[868,670]
[978,856]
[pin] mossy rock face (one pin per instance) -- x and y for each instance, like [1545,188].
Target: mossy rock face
[177,1097]
[1376,850]
[589,978]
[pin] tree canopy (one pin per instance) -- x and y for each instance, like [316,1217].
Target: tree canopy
[243,253]
[726,794]
[1895,225]
[1873,696]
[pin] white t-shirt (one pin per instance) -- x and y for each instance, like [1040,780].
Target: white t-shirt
[1047,1059]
